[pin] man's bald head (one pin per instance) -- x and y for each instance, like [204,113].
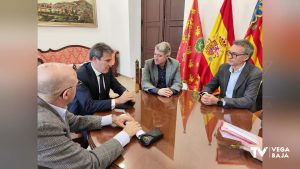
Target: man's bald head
[53,79]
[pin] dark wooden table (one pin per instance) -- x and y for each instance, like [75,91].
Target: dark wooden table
[191,138]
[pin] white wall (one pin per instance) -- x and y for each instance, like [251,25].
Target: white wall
[118,26]
[209,9]
[135,32]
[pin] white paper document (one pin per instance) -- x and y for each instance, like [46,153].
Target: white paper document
[235,133]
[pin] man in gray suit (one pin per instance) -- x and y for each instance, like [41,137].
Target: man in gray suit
[161,75]
[56,89]
[238,80]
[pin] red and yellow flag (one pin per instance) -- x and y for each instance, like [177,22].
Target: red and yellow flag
[254,35]
[187,102]
[210,121]
[190,50]
[220,40]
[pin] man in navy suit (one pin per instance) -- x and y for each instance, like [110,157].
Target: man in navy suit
[97,80]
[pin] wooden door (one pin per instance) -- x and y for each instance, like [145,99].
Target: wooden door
[173,25]
[162,20]
[152,26]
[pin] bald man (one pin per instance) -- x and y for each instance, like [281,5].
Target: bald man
[56,89]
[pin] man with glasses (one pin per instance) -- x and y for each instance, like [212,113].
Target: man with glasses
[56,89]
[238,80]
[97,80]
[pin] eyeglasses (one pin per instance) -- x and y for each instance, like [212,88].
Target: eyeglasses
[235,55]
[78,84]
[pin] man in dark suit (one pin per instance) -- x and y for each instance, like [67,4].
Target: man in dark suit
[97,80]
[55,149]
[238,80]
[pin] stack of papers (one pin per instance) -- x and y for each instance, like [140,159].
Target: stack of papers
[235,133]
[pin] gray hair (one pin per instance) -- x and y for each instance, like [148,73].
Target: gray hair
[248,47]
[98,49]
[163,47]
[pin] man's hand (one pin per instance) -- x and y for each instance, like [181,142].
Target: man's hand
[167,92]
[121,119]
[126,96]
[209,99]
[132,127]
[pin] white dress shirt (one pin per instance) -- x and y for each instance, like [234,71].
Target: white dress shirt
[234,75]
[113,101]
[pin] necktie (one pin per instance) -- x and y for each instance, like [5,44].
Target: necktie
[102,89]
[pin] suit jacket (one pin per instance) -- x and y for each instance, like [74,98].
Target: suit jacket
[88,100]
[150,75]
[56,149]
[245,90]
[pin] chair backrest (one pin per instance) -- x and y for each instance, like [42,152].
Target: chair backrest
[259,97]
[72,54]
[138,76]
[258,104]
[115,64]
[75,55]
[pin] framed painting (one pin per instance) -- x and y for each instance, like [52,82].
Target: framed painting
[81,13]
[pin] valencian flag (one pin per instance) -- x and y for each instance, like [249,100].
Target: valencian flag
[190,50]
[187,102]
[254,35]
[220,39]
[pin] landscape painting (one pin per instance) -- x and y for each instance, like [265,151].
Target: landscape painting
[67,13]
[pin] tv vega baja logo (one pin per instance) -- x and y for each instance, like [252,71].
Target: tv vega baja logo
[274,152]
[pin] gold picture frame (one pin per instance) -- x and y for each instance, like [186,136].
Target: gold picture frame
[75,13]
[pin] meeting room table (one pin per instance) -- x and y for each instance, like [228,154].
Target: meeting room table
[191,134]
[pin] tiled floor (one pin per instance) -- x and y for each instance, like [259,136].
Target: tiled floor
[128,83]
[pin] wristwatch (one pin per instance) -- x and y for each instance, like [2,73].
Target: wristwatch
[220,102]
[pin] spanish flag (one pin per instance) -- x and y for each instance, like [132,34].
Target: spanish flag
[220,40]
[254,35]
[190,50]
[210,121]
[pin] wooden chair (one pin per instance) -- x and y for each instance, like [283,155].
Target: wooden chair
[138,76]
[258,104]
